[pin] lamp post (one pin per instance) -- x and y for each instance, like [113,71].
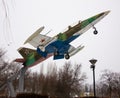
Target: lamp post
[93,61]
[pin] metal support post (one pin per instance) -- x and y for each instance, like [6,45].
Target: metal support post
[11,89]
[21,79]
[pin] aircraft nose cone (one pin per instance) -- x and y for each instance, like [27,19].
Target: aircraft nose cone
[107,12]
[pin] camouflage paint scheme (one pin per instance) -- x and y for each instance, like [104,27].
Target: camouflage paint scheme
[32,57]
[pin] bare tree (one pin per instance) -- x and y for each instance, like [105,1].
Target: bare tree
[47,82]
[69,81]
[7,70]
[3,66]
[109,84]
[116,84]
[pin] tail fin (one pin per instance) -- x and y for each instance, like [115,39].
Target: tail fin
[25,52]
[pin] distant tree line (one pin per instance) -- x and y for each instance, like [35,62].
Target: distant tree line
[65,82]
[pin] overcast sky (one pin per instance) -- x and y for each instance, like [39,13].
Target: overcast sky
[26,16]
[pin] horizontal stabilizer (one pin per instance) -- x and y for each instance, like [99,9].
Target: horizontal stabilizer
[19,60]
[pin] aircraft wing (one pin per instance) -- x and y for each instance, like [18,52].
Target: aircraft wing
[37,39]
[72,50]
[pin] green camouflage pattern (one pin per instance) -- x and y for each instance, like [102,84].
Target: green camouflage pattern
[30,55]
[72,30]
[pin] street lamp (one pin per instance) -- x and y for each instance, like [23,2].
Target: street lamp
[93,61]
